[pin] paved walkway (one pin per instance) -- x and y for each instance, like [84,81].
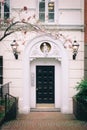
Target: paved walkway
[45,121]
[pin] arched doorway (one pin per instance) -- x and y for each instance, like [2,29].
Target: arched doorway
[45,52]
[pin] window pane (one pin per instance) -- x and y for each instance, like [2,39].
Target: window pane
[41,6]
[42,10]
[42,17]
[51,12]
[51,6]
[51,17]
[6,9]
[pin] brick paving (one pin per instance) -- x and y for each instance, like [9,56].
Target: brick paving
[45,121]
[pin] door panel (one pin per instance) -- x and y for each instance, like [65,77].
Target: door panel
[44,84]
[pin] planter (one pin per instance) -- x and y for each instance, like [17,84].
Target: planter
[79,110]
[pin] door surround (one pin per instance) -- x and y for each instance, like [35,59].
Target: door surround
[29,56]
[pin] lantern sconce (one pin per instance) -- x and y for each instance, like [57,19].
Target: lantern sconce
[75,47]
[14,47]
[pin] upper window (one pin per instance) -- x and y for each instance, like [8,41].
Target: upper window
[47,10]
[5,9]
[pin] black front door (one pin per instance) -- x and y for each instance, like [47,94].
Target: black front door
[44,84]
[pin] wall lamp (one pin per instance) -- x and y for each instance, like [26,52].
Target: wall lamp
[75,47]
[14,46]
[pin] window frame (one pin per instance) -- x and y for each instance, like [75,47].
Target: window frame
[46,12]
[2,11]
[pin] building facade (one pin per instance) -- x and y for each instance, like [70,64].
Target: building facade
[45,73]
[85,40]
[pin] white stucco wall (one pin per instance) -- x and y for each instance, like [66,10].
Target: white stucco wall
[70,13]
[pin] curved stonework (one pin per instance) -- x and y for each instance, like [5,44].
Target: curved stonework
[57,56]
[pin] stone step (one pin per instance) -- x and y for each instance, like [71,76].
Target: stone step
[45,110]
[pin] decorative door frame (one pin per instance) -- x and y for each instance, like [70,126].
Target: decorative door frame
[31,52]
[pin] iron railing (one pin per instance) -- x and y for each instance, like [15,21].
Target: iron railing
[11,107]
[4,89]
[8,102]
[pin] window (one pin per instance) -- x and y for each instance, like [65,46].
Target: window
[5,9]
[47,10]
[51,11]
[42,10]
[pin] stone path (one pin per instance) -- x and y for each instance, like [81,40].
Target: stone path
[45,121]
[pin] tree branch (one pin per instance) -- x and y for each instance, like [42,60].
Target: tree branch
[5,35]
[6,32]
[9,29]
